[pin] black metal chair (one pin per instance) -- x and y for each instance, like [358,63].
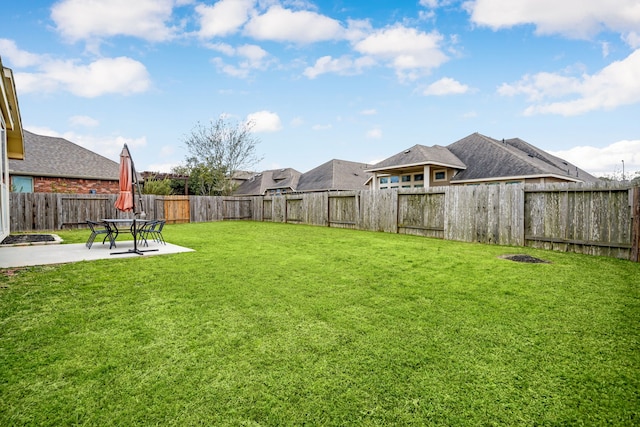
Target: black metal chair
[100,228]
[152,229]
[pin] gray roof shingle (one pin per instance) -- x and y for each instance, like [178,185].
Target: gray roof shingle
[488,158]
[57,157]
[274,179]
[335,175]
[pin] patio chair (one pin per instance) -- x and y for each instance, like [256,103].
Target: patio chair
[100,228]
[152,229]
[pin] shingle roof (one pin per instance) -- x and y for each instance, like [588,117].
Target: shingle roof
[421,155]
[335,175]
[57,157]
[274,179]
[488,158]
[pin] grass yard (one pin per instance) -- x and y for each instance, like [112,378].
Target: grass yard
[275,324]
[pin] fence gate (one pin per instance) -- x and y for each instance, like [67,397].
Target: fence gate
[174,209]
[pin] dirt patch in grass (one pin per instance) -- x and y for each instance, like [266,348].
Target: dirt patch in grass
[524,258]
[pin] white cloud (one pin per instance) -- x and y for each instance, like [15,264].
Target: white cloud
[87,19]
[121,75]
[252,57]
[265,121]
[321,127]
[375,133]
[410,52]
[224,17]
[572,18]
[446,86]
[600,161]
[284,25]
[18,58]
[343,66]
[613,86]
[633,39]
[84,121]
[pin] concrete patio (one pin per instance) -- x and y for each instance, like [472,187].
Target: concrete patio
[56,253]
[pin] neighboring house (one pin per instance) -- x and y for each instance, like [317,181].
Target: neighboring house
[271,182]
[335,175]
[55,165]
[11,141]
[475,159]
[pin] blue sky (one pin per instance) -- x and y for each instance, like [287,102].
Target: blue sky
[322,80]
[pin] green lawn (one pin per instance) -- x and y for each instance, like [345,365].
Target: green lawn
[275,324]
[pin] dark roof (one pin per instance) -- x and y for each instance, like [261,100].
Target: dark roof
[335,175]
[274,179]
[420,155]
[57,157]
[488,158]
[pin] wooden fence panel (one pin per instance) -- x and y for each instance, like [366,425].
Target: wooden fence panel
[343,210]
[421,213]
[379,210]
[634,202]
[491,214]
[315,209]
[278,209]
[206,208]
[579,218]
[267,209]
[293,209]
[237,208]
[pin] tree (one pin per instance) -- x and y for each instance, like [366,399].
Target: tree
[161,187]
[216,152]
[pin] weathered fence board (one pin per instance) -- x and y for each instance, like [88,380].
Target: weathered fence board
[421,213]
[343,210]
[379,211]
[591,219]
[237,208]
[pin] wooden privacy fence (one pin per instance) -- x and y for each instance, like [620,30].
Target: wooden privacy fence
[598,220]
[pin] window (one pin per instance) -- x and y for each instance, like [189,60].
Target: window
[439,175]
[418,177]
[22,184]
[406,178]
[384,180]
[394,179]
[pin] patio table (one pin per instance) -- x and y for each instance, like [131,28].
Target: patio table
[122,223]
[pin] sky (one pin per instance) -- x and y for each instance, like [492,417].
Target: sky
[321,80]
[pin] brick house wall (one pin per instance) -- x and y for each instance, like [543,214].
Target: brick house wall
[74,185]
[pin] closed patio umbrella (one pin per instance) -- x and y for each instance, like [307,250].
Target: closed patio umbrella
[125,202]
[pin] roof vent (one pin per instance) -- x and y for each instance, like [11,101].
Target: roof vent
[407,151]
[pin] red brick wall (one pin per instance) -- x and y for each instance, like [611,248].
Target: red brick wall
[71,185]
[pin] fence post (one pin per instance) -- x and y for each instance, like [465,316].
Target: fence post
[635,228]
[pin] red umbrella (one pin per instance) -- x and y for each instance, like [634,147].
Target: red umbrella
[124,202]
